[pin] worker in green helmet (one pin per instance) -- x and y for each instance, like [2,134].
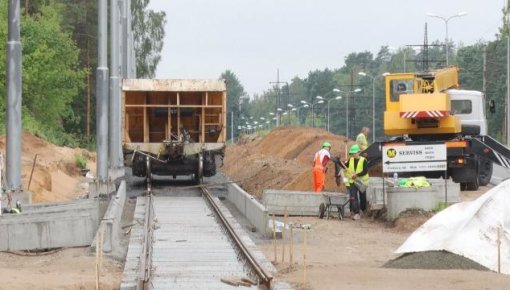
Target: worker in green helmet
[320,161]
[356,181]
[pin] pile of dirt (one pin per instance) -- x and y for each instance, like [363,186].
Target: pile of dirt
[282,159]
[433,260]
[411,219]
[55,176]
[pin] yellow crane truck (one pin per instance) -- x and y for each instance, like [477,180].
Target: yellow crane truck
[173,127]
[428,108]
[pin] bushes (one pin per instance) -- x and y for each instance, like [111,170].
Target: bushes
[81,161]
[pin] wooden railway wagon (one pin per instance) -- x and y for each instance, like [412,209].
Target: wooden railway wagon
[173,127]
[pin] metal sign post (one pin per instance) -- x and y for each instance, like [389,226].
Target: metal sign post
[413,158]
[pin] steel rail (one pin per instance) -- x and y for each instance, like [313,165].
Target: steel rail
[144,273]
[264,277]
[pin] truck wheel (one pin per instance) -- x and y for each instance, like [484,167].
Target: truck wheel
[485,171]
[470,185]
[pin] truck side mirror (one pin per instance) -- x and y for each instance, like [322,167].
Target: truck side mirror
[492,106]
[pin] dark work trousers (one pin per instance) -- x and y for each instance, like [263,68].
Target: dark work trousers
[363,201]
[353,199]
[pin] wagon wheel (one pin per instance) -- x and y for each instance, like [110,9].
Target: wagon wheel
[199,174]
[322,210]
[148,174]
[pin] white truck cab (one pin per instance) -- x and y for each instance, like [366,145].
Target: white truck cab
[469,106]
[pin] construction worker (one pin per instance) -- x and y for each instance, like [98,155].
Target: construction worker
[320,160]
[356,178]
[361,139]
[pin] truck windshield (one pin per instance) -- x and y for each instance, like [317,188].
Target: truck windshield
[399,87]
[461,107]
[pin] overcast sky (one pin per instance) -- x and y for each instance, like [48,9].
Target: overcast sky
[254,38]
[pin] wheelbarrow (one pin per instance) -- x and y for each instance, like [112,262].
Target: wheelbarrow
[332,200]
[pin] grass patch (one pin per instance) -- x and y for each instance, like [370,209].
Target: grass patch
[440,206]
[80,161]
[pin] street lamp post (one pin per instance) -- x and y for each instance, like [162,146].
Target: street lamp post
[336,98]
[347,110]
[304,105]
[446,19]
[278,110]
[328,101]
[320,101]
[290,110]
[373,98]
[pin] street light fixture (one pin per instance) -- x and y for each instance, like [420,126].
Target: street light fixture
[373,97]
[347,95]
[304,104]
[320,101]
[335,98]
[335,90]
[328,101]
[446,19]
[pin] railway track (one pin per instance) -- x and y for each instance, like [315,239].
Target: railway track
[189,243]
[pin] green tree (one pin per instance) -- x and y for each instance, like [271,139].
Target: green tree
[235,97]
[52,76]
[149,31]
[51,73]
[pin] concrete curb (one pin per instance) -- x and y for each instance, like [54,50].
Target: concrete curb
[298,203]
[255,212]
[54,225]
[111,222]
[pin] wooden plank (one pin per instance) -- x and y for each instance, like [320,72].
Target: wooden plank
[223,116]
[212,85]
[167,106]
[125,136]
[123,124]
[202,120]
[145,123]
[169,119]
[178,116]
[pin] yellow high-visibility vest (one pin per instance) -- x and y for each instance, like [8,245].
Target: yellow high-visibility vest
[357,170]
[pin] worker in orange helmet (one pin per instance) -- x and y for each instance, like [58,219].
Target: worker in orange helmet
[320,160]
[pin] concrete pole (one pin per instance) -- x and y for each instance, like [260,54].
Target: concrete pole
[13,130]
[347,115]
[484,77]
[114,118]
[328,115]
[313,117]
[446,40]
[102,96]
[125,39]
[507,119]
[131,64]
[232,127]
[373,109]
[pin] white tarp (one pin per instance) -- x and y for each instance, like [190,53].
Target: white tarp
[469,229]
